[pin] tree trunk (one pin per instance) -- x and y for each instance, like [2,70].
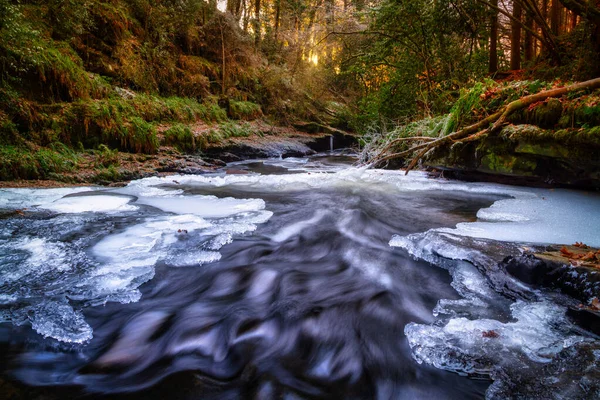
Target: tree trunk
[515,42]
[529,52]
[257,22]
[545,16]
[585,9]
[494,39]
[555,17]
[330,19]
[277,11]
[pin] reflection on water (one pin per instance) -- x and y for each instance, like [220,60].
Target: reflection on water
[244,286]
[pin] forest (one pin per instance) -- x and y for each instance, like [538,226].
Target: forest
[95,86]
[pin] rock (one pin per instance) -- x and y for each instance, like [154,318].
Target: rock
[125,93]
[525,154]
[573,374]
[550,270]
[544,270]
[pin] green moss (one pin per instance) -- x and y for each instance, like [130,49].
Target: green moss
[244,110]
[546,114]
[553,150]
[140,137]
[180,136]
[23,163]
[507,164]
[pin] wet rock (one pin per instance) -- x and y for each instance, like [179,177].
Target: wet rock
[573,374]
[548,270]
[248,149]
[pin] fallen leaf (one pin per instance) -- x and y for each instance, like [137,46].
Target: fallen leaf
[566,253]
[490,334]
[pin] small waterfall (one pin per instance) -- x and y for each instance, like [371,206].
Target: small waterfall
[331,143]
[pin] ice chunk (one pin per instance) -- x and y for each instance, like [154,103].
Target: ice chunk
[39,256]
[97,203]
[204,206]
[540,331]
[61,322]
[25,198]
[550,217]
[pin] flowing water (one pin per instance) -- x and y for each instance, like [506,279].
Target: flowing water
[295,278]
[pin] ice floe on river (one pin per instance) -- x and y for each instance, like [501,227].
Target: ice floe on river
[520,344]
[86,246]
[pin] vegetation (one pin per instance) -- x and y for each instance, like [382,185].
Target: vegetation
[97,77]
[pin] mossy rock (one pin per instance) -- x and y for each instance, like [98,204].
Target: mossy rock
[507,164]
[568,157]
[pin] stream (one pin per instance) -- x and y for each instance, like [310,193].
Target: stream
[293,278]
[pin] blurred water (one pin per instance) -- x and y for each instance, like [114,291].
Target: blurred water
[270,279]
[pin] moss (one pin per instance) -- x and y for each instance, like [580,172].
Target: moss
[180,136]
[23,163]
[507,164]
[565,138]
[546,150]
[105,157]
[244,110]
[546,114]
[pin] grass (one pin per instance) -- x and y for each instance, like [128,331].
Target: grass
[105,157]
[139,137]
[43,163]
[125,124]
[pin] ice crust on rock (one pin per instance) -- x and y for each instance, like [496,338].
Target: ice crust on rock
[501,341]
[479,346]
[538,216]
[204,206]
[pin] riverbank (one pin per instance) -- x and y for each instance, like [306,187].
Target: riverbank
[529,133]
[260,140]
